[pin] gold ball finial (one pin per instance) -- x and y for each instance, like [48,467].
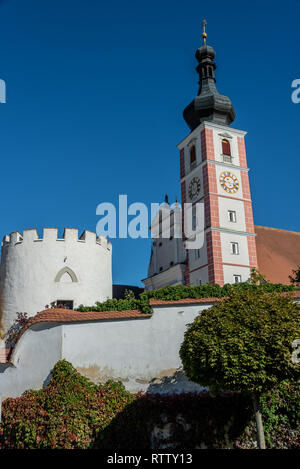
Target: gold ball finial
[204,35]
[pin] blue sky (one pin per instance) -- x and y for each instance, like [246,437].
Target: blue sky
[95,94]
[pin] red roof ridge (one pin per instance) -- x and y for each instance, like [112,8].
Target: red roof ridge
[158,302]
[182,301]
[276,229]
[61,315]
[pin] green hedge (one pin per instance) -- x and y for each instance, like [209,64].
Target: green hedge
[179,292]
[72,412]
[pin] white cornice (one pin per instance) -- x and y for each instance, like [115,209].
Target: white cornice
[213,125]
[217,163]
[222,230]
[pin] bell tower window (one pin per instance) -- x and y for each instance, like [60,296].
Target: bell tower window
[226,151]
[192,156]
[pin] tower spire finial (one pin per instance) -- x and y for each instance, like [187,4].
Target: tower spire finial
[204,35]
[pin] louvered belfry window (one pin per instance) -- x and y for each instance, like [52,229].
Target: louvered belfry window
[226,147]
[193,155]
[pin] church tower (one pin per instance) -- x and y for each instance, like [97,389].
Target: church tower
[213,170]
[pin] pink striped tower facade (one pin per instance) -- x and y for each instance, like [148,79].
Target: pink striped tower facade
[214,171]
[221,182]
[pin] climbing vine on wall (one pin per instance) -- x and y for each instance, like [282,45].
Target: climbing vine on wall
[72,412]
[180,291]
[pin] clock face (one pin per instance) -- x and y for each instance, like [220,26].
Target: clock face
[194,187]
[229,182]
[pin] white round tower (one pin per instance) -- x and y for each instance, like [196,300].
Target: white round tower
[37,272]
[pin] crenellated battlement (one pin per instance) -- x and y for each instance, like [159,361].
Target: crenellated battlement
[51,235]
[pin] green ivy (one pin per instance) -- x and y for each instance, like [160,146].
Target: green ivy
[68,413]
[179,292]
[72,412]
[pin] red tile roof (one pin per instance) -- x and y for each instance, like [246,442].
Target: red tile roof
[68,315]
[196,301]
[278,253]
[183,301]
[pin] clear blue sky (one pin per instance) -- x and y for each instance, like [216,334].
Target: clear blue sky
[95,94]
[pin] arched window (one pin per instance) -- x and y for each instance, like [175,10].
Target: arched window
[226,147]
[66,275]
[193,155]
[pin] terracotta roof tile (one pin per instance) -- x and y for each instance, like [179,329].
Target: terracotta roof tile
[68,315]
[196,301]
[183,301]
[278,253]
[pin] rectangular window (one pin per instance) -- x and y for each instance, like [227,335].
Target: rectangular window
[65,304]
[197,254]
[198,281]
[194,218]
[237,278]
[232,216]
[193,156]
[234,248]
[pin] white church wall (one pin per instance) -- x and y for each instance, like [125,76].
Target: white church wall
[173,276]
[227,257]
[142,353]
[230,271]
[199,276]
[226,204]
[35,355]
[30,266]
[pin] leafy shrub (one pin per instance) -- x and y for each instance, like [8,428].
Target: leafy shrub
[72,412]
[179,292]
[281,416]
[67,413]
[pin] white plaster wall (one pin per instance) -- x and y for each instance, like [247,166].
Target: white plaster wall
[143,353]
[36,354]
[226,204]
[201,274]
[195,262]
[134,351]
[173,276]
[29,267]
[230,271]
[166,252]
[243,257]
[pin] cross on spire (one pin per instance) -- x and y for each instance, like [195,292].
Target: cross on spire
[204,35]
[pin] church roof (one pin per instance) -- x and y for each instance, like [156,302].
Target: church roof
[278,253]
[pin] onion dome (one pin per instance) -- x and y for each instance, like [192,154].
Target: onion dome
[209,104]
